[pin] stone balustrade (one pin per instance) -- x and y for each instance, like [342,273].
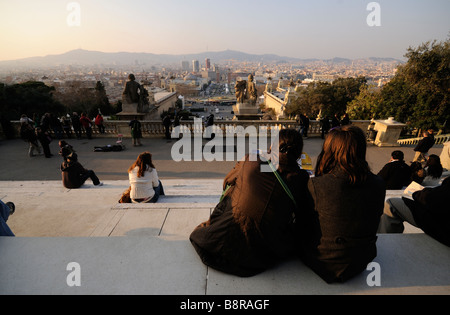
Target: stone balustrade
[441,139]
[155,127]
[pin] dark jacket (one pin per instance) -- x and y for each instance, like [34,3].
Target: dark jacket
[252,228]
[396,174]
[431,211]
[425,144]
[339,235]
[72,174]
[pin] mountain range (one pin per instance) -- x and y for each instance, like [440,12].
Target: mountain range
[90,58]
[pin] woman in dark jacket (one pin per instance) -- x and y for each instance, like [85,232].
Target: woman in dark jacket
[339,233]
[252,227]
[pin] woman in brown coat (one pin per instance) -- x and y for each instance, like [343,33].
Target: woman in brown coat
[339,233]
[252,227]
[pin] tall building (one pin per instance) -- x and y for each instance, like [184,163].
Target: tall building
[208,63]
[185,65]
[195,66]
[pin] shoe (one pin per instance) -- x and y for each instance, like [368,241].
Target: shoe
[101,184]
[12,208]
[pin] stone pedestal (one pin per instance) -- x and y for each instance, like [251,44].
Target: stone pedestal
[243,111]
[388,132]
[129,111]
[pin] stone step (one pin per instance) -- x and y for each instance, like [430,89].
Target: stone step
[162,265]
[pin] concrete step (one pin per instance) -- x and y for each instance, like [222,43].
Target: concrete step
[163,265]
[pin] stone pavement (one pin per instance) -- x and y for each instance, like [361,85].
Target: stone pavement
[144,249]
[16,165]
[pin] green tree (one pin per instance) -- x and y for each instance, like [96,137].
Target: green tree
[330,98]
[366,105]
[101,101]
[419,92]
[28,98]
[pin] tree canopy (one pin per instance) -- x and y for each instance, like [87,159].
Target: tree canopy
[27,98]
[330,98]
[418,94]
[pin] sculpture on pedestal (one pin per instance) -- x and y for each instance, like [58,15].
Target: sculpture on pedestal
[246,97]
[131,96]
[240,91]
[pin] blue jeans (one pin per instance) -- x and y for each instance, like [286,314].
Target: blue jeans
[159,191]
[4,215]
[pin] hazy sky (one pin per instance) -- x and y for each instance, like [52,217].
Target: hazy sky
[294,28]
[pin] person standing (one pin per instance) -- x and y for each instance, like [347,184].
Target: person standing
[325,123]
[99,123]
[345,120]
[28,134]
[136,131]
[45,140]
[167,122]
[305,125]
[86,122]
[422,148]
[335,122]
[76,125]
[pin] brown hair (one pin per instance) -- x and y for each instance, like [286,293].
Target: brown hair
[290,146]
[144,163]
[345,149]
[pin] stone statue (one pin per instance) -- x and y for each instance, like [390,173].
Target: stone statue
[251,93]
[131,95]
[240,91]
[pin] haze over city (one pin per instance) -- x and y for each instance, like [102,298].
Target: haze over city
[299,29]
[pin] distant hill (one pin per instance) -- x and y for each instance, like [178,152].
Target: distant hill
[89,58]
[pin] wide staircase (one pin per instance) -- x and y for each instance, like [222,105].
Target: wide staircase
[84,242]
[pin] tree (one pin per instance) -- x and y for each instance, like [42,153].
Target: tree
[102,100]
[330,98]
[366,105]
[28,98]
[419,92]
[79,98]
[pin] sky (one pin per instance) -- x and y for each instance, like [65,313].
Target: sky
[294,28]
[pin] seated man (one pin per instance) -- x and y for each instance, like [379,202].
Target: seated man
[396,173]
[428,210]
[74,174]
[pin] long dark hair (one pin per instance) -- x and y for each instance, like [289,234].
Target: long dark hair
[433,166]
[344,148]
[144,163]
[290,146]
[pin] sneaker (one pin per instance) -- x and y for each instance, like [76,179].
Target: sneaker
[12,208]
[100,184]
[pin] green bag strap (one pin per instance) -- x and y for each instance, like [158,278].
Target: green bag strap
[283,184]
[225,191]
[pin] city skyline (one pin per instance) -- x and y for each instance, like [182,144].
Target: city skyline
[297,29]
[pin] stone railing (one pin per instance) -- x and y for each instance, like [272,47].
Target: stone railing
[441,139]
[155,127]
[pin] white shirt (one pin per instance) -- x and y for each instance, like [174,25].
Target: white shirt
[142,187]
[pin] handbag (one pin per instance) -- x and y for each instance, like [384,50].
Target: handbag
[125,196]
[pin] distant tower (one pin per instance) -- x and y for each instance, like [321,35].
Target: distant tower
[185,65]
[195,66]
